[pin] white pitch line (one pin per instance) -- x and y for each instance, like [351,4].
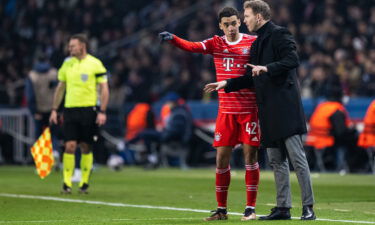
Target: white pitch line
[150,206]
[33,221]
[342,210]
[102,220]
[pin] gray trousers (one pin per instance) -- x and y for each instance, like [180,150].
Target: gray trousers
[280,165]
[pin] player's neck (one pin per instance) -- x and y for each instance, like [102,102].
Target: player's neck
[233,38]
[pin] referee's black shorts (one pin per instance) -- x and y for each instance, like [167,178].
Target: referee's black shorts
[80,124]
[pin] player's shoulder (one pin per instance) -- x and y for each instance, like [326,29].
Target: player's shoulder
[218,39]
[249,37]
[213,38]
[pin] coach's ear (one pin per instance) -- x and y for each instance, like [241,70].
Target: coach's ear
[165,36]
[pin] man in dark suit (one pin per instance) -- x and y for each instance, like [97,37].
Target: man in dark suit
[273,65]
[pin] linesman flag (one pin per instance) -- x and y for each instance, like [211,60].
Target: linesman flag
[42,153]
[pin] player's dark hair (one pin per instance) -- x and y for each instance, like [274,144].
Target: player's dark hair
[81,38]
[259,7]
[228,12]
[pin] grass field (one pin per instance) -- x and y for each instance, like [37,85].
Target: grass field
[171,196]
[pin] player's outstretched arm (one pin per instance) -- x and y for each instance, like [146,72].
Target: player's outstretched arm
[165,36]
[183,44]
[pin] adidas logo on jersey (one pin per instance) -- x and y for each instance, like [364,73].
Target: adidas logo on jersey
[225,51]
[255,139]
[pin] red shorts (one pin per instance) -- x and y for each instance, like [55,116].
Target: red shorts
[233,129]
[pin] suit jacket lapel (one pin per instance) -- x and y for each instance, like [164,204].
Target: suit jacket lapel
[253,52]
[256,47]
[260,45]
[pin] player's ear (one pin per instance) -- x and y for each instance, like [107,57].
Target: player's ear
[221,26]
[259,17]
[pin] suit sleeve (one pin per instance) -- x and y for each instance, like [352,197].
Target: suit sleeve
[204,47]
[238,83]
[284,46]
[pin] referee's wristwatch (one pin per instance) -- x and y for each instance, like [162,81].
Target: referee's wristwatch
[101,111]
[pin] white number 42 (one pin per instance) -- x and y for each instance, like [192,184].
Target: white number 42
[251,129]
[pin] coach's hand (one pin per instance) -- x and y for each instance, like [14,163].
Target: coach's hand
[215,86]
[257,70]
[53,117]
[165,36]
[101,118]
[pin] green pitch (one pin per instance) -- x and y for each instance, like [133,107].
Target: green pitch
[136,196]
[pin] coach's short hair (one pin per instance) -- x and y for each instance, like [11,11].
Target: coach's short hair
[81,38]
[228,12]
[259,7]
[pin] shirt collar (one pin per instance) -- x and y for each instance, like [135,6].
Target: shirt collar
[234,42]
[262,29]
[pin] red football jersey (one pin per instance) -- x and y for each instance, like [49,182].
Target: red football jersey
[230,61]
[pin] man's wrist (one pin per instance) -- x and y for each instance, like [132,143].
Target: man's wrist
[102,111]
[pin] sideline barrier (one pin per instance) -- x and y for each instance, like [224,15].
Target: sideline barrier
[20,125]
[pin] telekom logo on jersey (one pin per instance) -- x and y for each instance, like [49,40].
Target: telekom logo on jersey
[228,63]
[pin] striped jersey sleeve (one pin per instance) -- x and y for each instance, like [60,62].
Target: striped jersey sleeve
[230,60]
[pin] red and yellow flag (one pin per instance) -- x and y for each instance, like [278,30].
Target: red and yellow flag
[42,153]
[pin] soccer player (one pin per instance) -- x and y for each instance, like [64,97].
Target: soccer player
[237,120]
[79,77]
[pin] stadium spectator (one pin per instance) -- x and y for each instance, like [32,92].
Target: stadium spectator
[367,85]
[139,118]
[118,92]
[4,97]
[40,86]
[177,127]
[329,128]
[79,77]
[237,121]
[367,137]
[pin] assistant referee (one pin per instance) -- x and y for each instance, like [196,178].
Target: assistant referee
[79,78]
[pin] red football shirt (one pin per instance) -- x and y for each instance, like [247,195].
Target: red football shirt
[230,60]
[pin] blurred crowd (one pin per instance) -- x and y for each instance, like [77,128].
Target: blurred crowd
[336,44]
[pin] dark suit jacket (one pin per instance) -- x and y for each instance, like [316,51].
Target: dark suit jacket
[278,96]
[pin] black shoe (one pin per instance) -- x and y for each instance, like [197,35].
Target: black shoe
[308,213]
[83,189]
[66,189]
[218,214]
[277,213]
[249,214]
